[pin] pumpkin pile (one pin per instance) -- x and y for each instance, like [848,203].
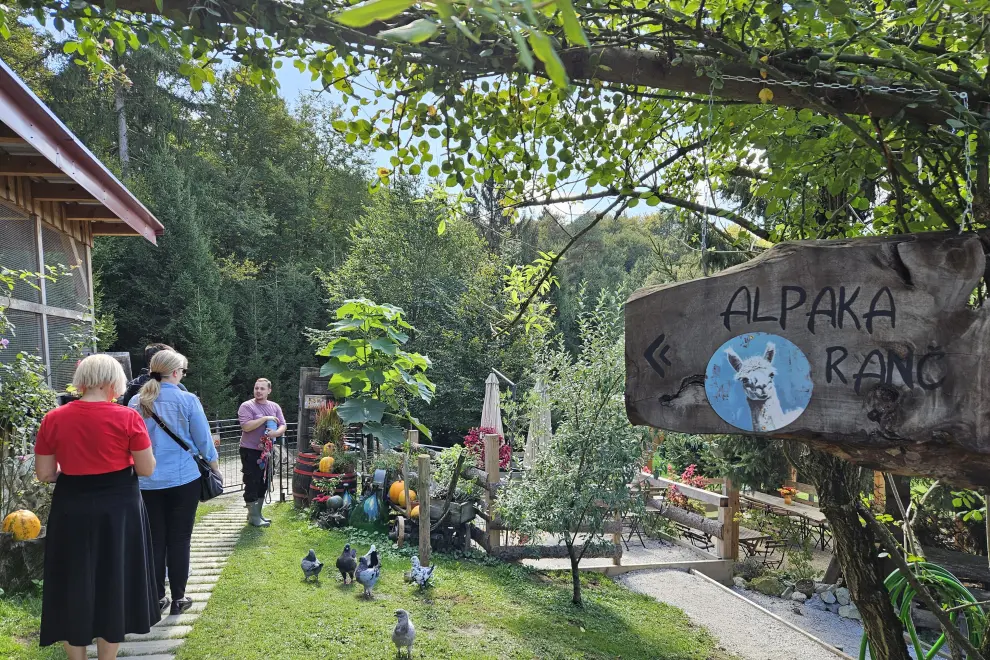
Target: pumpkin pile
[23,524]
[397,493]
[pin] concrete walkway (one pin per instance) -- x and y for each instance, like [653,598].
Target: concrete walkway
[213,539]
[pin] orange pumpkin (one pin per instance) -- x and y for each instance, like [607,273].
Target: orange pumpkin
[23,524]
[415,511]
[326,464]
[394,490]
[402,497]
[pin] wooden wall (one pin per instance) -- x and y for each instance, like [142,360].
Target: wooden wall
[17,191]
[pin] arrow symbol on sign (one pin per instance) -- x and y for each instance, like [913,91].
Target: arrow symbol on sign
[651,354]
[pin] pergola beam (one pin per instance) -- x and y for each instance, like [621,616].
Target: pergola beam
[89,213]
[27,166]
[112,229]
[60,192]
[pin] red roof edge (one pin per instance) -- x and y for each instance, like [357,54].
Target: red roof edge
[33,121]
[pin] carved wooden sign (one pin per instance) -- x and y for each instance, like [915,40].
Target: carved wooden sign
[866,348]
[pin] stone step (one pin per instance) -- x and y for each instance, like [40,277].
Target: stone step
[203,579]
[184,619]
[208,554]
[206,563]
[167,632]
[150,648]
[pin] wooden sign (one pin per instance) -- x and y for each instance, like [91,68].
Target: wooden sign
[315,401]
[866,348]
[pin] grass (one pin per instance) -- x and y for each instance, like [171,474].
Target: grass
[20,618]
[262,609]
[205,508]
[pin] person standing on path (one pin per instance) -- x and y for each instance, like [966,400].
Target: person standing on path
[254,415]
[171,494]
[136,384]
[99,577]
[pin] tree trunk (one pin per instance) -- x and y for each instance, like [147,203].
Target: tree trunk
[118,104]
[575,575]
[838,484]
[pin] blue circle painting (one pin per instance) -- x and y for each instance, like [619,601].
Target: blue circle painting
[758,382]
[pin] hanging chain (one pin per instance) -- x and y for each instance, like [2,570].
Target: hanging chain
[967,217]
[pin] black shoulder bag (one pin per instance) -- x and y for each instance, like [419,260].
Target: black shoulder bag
[210,483]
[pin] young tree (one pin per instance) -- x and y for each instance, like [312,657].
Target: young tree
[579,481]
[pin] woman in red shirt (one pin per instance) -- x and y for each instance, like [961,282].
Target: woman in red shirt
[99,568]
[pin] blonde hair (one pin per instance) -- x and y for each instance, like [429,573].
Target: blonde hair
[97,371]
[162,363]
[265,381]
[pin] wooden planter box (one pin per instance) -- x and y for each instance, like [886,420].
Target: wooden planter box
[460,513]
[21,562]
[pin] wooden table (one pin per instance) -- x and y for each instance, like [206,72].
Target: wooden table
[749,539]
[774,504]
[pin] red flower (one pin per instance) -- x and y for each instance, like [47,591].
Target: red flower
[474,441]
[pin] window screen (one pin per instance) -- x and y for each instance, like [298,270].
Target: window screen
[19,251]
[26,337]
[69,290]
[62,333]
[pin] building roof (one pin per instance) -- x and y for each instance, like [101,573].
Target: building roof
[34,143]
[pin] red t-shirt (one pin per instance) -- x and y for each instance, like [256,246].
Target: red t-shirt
[90,437]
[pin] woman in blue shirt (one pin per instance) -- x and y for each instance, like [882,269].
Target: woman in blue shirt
[171,493]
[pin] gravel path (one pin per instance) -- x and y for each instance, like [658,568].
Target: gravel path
[740,628]
[656,551]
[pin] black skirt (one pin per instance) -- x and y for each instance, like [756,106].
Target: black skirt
[99,566]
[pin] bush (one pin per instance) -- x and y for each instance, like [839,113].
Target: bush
[749,568]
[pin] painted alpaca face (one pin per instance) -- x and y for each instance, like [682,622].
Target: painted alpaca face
[755,373]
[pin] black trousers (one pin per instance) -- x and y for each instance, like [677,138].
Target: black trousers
[256,480]
[172,512]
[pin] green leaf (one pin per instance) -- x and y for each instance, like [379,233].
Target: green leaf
[160,4]
[572,26]
[416,32]
[957,502]
[548,55]
[397,335]
[334,366]
[419,425]
[376,376]
[525,55]
[367,13]
[343,348]
[384,345]
[390,436]
[361,410]
[441,228]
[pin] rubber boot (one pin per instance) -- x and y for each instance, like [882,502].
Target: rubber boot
[248,507]
[254,517]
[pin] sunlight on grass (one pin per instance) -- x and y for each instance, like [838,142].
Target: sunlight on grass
[20,617]
[261,609]
[206,508]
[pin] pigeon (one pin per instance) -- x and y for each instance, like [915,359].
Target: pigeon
[347,562]
[420,574]
[404,633]
[369,569]
[311,566]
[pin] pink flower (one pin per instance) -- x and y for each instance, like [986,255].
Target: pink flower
[4,342]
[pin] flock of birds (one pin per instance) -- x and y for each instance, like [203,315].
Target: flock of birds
[367,571]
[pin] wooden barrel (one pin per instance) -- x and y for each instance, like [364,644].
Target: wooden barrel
[348,482]
[306,465]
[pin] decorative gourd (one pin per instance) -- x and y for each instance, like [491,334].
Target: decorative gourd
[23,524]
[326,464]
[402,497]
[394,490]
[415,512]
[335,502]
[328,449]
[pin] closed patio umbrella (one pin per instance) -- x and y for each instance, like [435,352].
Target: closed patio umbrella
[491,411]
[539,426]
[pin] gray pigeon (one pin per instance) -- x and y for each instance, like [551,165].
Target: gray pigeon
[420,574]
[347,562]
[311,566]
[369,569]
[404,633]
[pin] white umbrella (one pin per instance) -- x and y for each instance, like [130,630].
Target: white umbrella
[491,411]
[539,426]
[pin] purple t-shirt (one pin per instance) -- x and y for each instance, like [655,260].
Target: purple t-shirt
[251,410]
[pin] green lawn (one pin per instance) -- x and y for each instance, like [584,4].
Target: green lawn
[208,507]
[262,609]
[20,617]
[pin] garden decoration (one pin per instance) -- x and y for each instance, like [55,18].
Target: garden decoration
[788,494]
[865,348]
[370,513]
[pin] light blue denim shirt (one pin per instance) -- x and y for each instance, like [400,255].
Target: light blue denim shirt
[183,413]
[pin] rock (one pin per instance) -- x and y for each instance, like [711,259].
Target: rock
[821,587]
[767,585]
[21,563]
[797,610]
[827,597]
[833,608]
[799,597]
[849,612]
[816,604]
[807,587]
[839,582]
[787,592]
[842,596]
[740,582]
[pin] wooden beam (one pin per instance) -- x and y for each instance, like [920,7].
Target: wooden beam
[424,509]
[89,213]
[706,496]
[727,547]
[27,166]
[491,468]
[519,552]
[60,192]
[112,229]
[690,519]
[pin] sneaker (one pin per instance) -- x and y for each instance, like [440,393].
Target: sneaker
[181,605]
[163,603]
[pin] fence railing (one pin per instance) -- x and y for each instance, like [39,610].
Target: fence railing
[228,433]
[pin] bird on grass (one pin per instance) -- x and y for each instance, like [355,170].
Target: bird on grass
[347,563]
[420,574]
[404,633]
[369,570]
[311,566]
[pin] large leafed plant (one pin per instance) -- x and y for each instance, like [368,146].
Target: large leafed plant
[369,368]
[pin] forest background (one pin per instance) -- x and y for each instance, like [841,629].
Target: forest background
[273,219]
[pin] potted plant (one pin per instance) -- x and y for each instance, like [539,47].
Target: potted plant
[787,493]
[328,429]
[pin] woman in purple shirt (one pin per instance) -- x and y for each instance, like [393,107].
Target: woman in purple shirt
[253,416]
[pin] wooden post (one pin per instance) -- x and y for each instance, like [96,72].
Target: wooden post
[728,546]
[424,509]
[793,474]
[617,540]
[879,492]
[491,467]
[405,486]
